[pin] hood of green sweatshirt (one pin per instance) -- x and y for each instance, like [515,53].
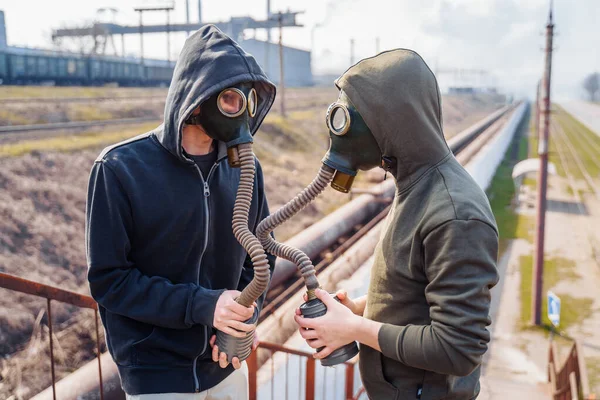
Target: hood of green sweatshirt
[398,97]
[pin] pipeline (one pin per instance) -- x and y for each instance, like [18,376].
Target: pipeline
[286,212]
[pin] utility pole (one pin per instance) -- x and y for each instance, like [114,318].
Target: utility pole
[538,265]
[377,45]
[352,51]
[281,77]
[141,11]
[169,35]
[268,41]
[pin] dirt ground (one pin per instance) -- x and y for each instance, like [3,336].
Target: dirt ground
[42,207]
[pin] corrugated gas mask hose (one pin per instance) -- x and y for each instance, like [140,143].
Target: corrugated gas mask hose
[297,256]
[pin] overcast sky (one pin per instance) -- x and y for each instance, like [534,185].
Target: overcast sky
[502,37]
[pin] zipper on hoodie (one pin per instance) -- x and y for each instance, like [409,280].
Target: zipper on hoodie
[206,227]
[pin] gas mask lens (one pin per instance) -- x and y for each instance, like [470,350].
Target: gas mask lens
[252,103]
[338,119]
[231,102]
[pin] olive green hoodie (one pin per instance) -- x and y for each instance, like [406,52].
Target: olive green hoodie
[436,260]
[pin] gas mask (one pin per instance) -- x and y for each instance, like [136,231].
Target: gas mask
[225,117]
[352,145]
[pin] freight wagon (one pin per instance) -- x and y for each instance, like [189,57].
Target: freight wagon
[24,66]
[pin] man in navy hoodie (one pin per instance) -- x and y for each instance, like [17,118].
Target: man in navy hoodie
[163,263]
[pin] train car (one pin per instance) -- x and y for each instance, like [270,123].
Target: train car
[35,66]
[158,72]
[25,66]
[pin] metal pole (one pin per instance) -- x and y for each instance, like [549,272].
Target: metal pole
[141,38]
[123,45]
[352,51]
[281,77]
[377,45]
[187,15]
[51,349]
[538,271]
[199,11]
[168,35]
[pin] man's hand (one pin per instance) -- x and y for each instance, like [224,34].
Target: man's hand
[230,315]
[331,331]
[222,358]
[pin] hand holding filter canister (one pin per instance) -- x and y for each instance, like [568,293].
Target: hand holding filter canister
[225,117]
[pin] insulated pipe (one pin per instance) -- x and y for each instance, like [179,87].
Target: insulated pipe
[263,232]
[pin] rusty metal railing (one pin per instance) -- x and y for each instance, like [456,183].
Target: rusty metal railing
[51,293]
[570,381]
[307,372]
[307,365]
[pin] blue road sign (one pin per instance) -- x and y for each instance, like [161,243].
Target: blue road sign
[553,309]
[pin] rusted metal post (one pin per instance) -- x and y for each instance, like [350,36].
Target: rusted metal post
[310,379]
[538,265]
[281,73]
[51,349]
[252,370]
[573,385]
[99,354]
[349,382]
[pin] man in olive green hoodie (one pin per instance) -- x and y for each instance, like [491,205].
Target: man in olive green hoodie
[422,325]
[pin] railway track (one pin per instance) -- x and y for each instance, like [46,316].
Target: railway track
[60,126]
[575,157]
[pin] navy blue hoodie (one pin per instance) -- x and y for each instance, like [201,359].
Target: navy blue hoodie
[160,246]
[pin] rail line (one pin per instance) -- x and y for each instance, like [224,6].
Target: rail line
[20,129]
[566,141]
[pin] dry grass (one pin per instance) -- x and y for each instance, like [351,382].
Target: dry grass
[73,142]
[52,92]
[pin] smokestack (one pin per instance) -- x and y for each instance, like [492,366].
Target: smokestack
[199,11]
